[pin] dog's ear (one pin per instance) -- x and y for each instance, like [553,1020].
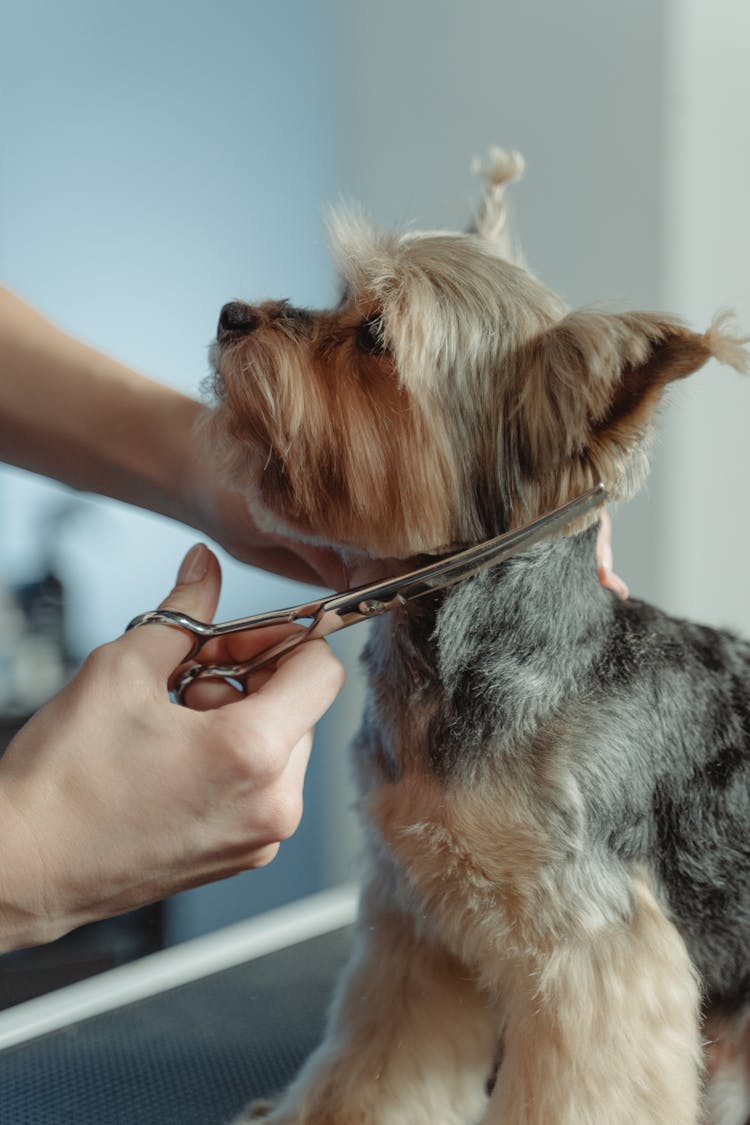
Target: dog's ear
[594,380]
[493,218]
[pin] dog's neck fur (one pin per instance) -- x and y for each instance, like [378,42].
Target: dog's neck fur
[490,660]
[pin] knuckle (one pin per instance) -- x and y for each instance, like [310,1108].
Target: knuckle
[330,672]
[268,753]
[110,660]
[336,673]
[129,667]
[253,751]
[285,814]
[261,857]
[98,661]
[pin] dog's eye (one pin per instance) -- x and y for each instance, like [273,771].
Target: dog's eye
[370,336]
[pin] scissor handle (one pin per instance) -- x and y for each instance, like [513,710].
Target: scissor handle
[350,606]
[207,630]
[202,631]
[225,672]
[198,631]
[238,672]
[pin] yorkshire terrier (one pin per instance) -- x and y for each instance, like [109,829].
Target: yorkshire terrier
[555,921]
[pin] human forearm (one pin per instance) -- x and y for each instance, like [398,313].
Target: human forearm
[69,412]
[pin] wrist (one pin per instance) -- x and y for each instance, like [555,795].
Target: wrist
[26,917]
[146,453]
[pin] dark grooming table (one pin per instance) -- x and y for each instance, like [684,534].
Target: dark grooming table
[190,1053]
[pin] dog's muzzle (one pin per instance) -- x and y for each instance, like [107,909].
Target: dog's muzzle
[236,319]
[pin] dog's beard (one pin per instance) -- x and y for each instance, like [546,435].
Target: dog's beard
[332,453]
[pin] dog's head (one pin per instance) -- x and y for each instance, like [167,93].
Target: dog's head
[448,397]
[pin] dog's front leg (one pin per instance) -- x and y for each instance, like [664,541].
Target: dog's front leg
[606,1031]
[409,1041]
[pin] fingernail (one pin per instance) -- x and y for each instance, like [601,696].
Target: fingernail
[194,565]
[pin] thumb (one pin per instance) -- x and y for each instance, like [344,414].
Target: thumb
[196,593]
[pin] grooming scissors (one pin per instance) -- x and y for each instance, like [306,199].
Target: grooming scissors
[337,611]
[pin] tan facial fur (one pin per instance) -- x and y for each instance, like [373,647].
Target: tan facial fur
[338,448]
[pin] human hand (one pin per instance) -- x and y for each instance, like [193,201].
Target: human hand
[111,797]
[607,576]
[212,507]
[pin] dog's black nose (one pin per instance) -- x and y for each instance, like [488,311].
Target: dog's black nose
[236,319]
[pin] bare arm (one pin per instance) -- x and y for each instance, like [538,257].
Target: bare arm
[69,412]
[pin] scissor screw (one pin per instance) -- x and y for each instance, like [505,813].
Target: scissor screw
[371,607]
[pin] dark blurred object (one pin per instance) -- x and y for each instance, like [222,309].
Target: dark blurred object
[34,660]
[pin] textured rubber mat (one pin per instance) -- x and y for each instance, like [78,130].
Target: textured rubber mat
[191,1056]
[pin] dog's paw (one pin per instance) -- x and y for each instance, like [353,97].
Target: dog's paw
[272,1112]
[259,1109]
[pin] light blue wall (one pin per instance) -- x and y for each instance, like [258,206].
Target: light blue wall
[157,159]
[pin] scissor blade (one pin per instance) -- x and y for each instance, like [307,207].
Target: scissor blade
[467,563]
[352,606]
[369,601]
